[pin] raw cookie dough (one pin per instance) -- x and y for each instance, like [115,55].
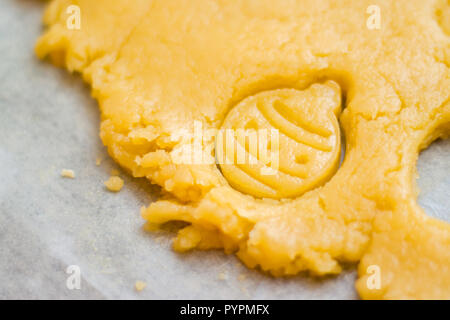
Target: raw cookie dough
[158,67]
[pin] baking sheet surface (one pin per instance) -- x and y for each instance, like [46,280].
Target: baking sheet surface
[48,122]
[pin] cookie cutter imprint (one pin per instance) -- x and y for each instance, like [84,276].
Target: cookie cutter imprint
[307,148]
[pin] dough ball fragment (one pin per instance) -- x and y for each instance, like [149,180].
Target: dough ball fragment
[223,276]
[67,173]
[114,184]
[140,285]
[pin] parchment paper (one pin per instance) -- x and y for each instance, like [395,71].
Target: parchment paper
[48,122]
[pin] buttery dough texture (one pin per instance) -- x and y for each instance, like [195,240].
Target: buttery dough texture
[157,67]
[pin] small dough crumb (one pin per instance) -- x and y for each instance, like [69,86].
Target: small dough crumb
[223,276]
[66,173]
[98,161]
[114,184]
[140,285]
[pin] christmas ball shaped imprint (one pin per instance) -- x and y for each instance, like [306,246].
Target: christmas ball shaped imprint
[281,143]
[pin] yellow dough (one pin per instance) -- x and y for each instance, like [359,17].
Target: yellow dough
[158,68]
